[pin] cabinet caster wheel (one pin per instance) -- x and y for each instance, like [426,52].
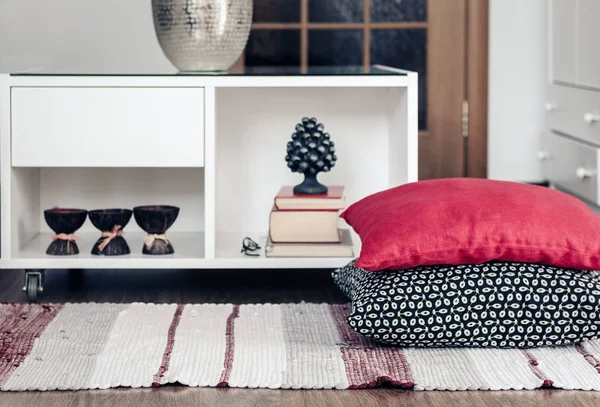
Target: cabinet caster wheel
[33,284]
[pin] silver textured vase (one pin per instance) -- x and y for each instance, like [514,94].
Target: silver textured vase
[202,35]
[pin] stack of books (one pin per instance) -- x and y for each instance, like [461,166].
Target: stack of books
[307,225]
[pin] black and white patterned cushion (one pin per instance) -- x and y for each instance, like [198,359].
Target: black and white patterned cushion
[496,304]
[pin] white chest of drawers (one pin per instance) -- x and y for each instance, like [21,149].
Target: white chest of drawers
[213,145]
[570,151]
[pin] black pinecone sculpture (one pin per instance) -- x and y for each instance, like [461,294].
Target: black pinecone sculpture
[310,152]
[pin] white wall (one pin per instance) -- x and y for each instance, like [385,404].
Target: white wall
[79,35]
[517,75]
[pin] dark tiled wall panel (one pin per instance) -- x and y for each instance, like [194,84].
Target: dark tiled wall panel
[335,47]
[273,48]
[276,11]
[406,49]
[399,10]
[335,11]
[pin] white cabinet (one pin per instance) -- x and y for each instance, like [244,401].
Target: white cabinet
[563,29]
[107,127]
[571,142]
[588,49]
[212,145]
[574,51]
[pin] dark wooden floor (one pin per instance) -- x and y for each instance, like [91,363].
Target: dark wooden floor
[236,287]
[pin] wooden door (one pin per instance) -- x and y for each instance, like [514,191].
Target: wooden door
[441,143]
[445,41]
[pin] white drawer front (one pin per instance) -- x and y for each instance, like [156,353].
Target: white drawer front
[565,110]
[571,165]
[575,112]
[590,115]
[107,127]
[563,39]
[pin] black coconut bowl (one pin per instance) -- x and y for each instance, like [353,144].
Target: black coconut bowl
[156,220]
[107,221]
[64,222]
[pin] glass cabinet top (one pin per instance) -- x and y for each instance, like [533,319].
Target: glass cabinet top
[248,71]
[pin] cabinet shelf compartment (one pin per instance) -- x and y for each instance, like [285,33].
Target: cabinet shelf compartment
[370,131]
[36,189]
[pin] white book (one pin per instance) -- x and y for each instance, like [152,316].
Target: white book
[344,248]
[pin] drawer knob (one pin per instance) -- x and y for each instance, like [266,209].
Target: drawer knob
[583,173]
[549,106]
[591,118]
[542,155]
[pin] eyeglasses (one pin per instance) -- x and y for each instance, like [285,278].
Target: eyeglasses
[249,247]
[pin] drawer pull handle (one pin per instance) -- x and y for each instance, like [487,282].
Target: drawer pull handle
[549,106]
[591,118]
[583,173]
[543,155]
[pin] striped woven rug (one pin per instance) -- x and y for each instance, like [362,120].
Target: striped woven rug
[297,346]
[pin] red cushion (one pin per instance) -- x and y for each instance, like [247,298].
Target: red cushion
[470,221]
